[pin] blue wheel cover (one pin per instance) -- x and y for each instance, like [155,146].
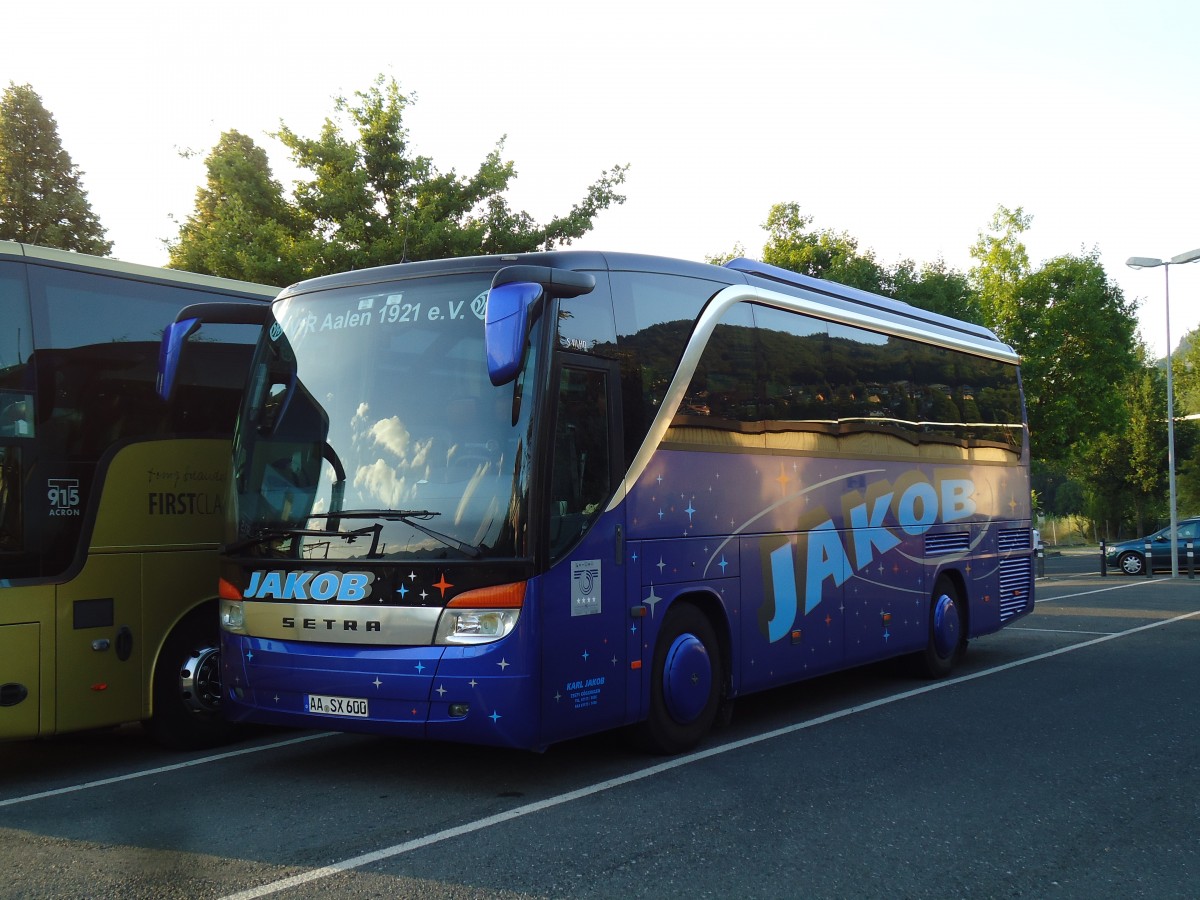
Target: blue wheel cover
[945,627]
[687,678]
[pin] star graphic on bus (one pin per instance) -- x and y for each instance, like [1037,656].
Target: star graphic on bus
[652,599]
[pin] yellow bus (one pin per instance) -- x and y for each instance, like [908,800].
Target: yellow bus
[111,499]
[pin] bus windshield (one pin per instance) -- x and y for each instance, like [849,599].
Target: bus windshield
[374,402]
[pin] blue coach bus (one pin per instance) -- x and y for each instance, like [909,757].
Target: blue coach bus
[516,500]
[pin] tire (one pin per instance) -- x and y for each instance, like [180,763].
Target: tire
[947,631]
[686,682]
[187,687]
[1132,564]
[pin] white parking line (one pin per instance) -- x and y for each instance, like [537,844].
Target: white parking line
[13,801]
[1119,587]
[366,859]
[1057,630]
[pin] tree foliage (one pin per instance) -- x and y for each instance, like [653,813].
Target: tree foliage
[367,199]
[1123,466]
[791,244]
[1185,369]
[1002,265]
[938,288]
[42,200]
[242,227]
[719,259]
[1076,335]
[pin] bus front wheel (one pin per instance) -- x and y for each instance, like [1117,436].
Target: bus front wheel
[187,687]
[947,631]
[686,681]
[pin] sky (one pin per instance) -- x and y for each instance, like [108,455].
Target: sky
[904,125]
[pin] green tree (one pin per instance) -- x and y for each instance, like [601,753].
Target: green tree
[242,226]
[1002,265]
[1103,467]
[371,201]
[719,259]
[937,288]
[1123,466]
[1075,332]
[791,244]
[1145,441]
[1147,433]
[42,200]
[1185,370]
[1187,456]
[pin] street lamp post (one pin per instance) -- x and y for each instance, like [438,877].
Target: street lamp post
[1149,262]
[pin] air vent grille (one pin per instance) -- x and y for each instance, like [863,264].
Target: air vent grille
[1016,581]
[938,544]
[1014,539]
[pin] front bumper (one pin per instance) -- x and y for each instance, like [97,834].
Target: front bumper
[481,694]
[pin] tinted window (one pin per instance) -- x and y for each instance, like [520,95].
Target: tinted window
[98,342]
[823,386]
[580,478]
[585,323]
[17,341]
[655,315]
[16,350]
[725,386]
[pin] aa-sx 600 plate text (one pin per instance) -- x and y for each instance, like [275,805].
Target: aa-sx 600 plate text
[336,706]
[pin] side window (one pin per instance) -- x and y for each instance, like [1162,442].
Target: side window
[586,324]
[793,351]
[98,341]
[10,499]
[580,480]
[655,315]
[211,378]
[16,350]
[724,393]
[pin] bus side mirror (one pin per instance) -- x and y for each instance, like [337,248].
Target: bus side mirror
[505,327]
[188,321]
[170,352]
[513,303]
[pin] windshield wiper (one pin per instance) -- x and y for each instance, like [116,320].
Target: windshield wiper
[274,534]
[409,517]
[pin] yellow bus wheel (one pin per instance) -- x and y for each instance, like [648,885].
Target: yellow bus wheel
[187,688]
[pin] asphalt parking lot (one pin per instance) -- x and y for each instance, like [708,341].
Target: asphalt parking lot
[1061,760]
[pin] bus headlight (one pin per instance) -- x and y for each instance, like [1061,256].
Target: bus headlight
[475,626]
[233,616]
[481,616]
[232,610]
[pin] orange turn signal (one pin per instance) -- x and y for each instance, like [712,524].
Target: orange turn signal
[500,596]
[227,590]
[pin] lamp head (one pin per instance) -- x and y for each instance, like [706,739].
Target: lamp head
[1143,262]
[1190,256]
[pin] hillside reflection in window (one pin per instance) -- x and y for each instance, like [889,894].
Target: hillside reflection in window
[784,381]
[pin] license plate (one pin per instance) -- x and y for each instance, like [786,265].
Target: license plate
[336,706]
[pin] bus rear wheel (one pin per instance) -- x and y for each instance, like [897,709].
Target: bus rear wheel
[187,687]
[686,682]
[947,631]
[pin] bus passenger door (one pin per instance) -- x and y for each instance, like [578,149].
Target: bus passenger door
[584,608]
[100,644]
